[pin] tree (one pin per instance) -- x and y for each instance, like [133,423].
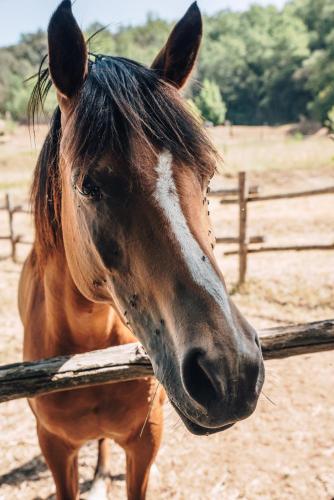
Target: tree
[330,120]
[210,103]
[317,70]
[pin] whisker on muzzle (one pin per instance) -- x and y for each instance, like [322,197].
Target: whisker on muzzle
[149,409]
[268,398]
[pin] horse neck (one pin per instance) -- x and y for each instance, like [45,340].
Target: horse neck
[76,324]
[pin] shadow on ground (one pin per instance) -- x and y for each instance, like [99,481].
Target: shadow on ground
[31,471]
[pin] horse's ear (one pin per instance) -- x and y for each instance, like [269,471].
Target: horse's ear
[177,58]
[67,51]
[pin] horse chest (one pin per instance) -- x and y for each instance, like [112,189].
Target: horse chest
[113,410]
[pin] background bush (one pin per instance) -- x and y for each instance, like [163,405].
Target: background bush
[210,103]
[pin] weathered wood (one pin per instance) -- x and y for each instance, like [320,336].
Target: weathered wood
[21,209]
[14,239]
[219,193]
[229,201]
[285,341]
[114,364]
[11,227]
[295,194]
[235,240]
[128,362]
[227,239]
[17,208]
[243,195]
[284,248]
[281,196]
[256,239]
[21,241]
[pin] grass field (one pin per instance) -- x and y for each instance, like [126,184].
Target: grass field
[286,449]
[262,149]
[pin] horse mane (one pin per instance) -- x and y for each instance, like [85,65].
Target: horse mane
[120,99]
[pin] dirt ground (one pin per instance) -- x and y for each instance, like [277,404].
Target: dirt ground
[286,449]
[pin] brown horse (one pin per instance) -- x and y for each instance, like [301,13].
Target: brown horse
[123,245]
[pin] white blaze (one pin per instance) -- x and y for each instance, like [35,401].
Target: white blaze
[201,270]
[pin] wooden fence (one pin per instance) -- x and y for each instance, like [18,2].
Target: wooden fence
[128,362]
[13,238]
[242,195]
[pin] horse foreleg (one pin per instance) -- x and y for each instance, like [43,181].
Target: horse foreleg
[140,455]
[102,479]
[62,459]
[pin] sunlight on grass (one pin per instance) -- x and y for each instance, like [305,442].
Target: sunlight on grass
[288,154]
[16,170]
[264,148]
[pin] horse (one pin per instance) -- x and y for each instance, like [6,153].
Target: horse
[123,252]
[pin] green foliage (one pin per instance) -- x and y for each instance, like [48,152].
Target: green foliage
[270,66]
[253,57]
[210,103]
[317,70]
[330,120]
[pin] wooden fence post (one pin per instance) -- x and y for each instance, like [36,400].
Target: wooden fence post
[11,227]
[243,196]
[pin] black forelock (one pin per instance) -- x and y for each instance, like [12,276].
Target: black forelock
[122,100]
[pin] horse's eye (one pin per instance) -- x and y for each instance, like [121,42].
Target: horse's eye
[89,189]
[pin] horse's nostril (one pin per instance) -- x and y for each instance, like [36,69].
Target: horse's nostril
[197,379]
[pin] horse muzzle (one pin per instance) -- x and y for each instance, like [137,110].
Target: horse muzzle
[217,391]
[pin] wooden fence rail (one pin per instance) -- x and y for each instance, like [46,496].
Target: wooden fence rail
[284,248]
[13,238]
[128,362]
[244,195]
[271,197]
